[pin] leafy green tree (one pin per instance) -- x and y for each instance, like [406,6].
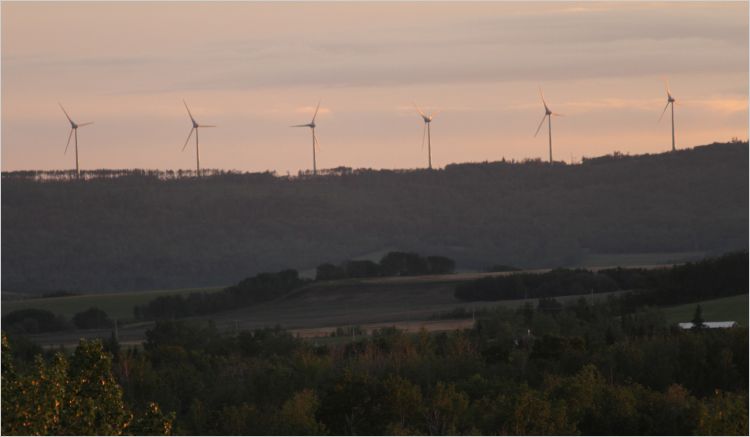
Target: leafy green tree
[328,271]
[152,422]
[80,397]
[535,415]
[724,414]
[297,415]
[403,402]
[94,402]
[92,318]
[698,321]
[446,410]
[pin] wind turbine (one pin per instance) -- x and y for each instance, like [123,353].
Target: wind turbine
[548,115]
[73,132]
[426,130]
[315,141]
[197,149]
[670,101]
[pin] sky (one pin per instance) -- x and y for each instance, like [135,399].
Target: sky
[255,68]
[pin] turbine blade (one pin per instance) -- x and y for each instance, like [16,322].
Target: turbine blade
[540,125]
[434,114]
[419,110]
[206,125]
[316,112]
[188,139]
[68,143]
[558,114]
[542,94]
[66,112]
[424,134]
[86,124]
[188,110]
[300,125]
[666,87]
[662,112]
[317,142]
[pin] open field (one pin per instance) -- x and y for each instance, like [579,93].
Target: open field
[733,308]
[120,305]
[317,309]
[116,305]
[636,259]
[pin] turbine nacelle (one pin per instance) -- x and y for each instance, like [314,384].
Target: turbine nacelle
[315,142]
[426,118]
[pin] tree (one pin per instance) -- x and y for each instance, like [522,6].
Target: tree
[94,402]
[80,397]
[446,410]
[328,271]
[361,269]
[92,318]
[403,400]
[403,264]
[297,415]
[698,318]
[440,265]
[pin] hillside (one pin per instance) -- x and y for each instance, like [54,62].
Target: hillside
[409,302]
[141,231]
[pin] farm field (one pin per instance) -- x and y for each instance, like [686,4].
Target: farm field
[639,259]
[733,308]
[317,309]
[116,305]
[120,305]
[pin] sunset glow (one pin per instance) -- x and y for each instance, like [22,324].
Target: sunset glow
[254,69]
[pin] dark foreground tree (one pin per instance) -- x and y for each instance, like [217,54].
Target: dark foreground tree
[79,396]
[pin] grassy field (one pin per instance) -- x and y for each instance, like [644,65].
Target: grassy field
[117,305]
[639,259]
[733,308]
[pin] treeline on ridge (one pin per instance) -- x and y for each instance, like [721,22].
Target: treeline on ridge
[709,278]
[392,264]
[259,288]
[139,231]
[35,321]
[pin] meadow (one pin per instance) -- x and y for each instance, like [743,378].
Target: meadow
[734,308]
[116,305]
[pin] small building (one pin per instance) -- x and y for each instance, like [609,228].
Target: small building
[711,325]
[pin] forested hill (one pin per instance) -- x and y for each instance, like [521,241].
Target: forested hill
[144,230]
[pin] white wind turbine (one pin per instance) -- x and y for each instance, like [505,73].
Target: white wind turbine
[548,115]
[427,119]
[197,148]
[670,101]
[73,132]
[315,142]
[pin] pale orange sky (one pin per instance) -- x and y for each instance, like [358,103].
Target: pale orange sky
[253,69]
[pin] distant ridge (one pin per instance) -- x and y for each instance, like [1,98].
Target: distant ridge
[144,229]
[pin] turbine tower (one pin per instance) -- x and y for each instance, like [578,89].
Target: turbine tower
[670,101]
[426,130]
[315,142]
[197,148]
[548,115]
[73,132]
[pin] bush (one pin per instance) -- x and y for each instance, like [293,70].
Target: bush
[33,321]
[440,265]
[328,272]
[362,269]
[92,318]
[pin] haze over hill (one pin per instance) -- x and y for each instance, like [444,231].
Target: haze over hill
[139,231]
